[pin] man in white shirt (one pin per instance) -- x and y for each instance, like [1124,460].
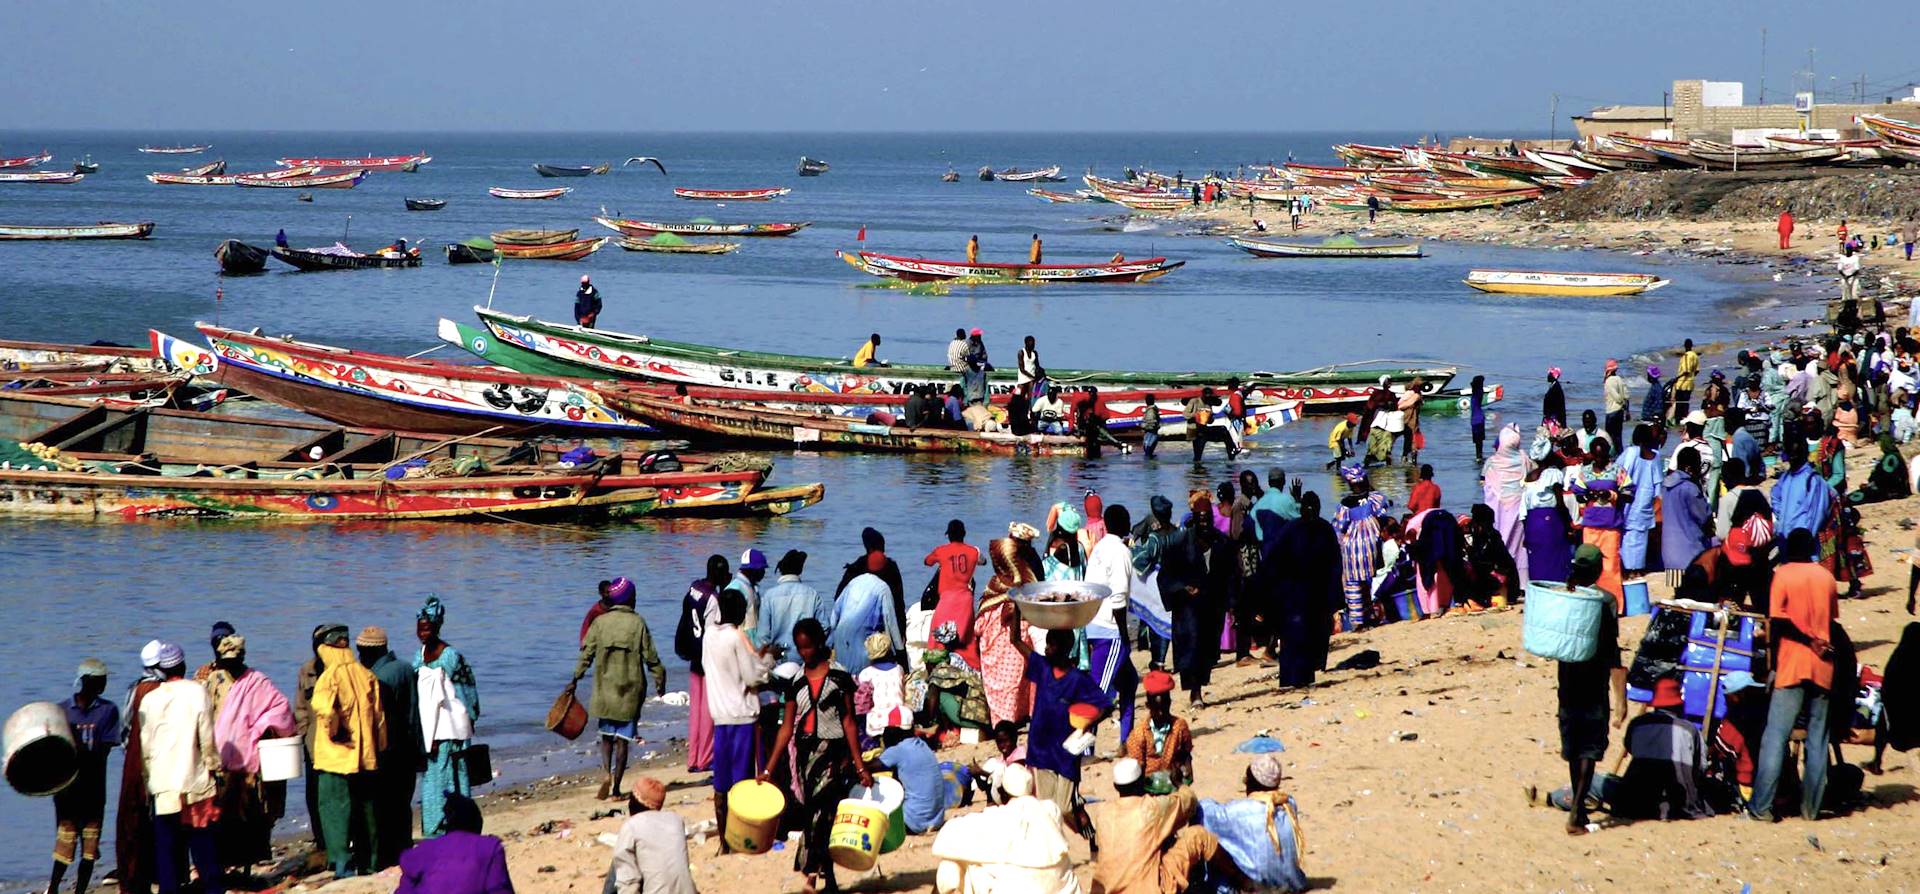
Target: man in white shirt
[1028,365]
[650,852]
[1110,562]
[734,667]
[179,757]
[1050,412]
[1848,264]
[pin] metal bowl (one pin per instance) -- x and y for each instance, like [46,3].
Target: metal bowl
[1059,615]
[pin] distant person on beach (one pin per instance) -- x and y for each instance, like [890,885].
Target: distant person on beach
[1909,234]
[868,355]
[1587,688]
[1842,233]
[586,303]
[973,249]
[1373,208]
[1785,228]
[1683,381]
[1848,265]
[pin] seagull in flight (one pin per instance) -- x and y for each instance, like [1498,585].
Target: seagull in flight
[644,159]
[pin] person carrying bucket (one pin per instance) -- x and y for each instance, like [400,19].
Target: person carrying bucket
[819,723]
[79,809]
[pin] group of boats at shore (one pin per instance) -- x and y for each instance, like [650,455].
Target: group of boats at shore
[127,433]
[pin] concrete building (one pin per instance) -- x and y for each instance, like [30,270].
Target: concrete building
[1715,109]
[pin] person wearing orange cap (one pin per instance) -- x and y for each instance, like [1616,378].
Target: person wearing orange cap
[1340,441]
[586,303]
[1164,744]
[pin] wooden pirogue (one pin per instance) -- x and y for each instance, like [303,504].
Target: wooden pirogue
[930,270]
[807,431]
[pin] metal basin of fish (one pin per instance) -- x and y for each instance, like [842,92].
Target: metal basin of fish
[1059,604]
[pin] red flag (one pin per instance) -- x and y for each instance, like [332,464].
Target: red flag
[862,237]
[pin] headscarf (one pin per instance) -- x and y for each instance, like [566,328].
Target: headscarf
[1064,518]
[434,612]
[879,645]
[873,540]
[1162,508]
[1022,531]
[1014,563]
[620,592]
[233,645]
[1505,473]
[876,562]
[1354,473]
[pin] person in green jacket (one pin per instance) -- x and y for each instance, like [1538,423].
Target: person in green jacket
[623,646]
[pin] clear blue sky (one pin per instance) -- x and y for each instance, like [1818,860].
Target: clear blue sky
[905,65]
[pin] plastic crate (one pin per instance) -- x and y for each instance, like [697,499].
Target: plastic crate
[1699,656]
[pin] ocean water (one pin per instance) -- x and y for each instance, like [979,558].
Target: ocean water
[516,592]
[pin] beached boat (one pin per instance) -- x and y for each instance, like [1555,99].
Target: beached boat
[101,230]
[811,167]
[1893,130]
[632,227]
[238,258]
[1725,156]
[732,195]
[53,357]
[42,177]
[340,257]
[808,431]
[533,237]
[166,179]
[1463,203]
[1540,282]
[424,204]
[1568,162]
[365,163]
[501,192]
[606,354]
[570,170]
[929,270]
[381,391]
[129,388]
[558,251]
[1062,198]
[1336,247]
[1016,175]
[668,243]
[346,180]
[195,149]
[472,251]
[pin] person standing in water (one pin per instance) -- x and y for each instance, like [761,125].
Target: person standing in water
[586,303]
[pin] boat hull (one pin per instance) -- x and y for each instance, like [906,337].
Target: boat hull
[1265,249]
[96,231]
[1527,282]
[731,195]
[313,261]
[802,431]
[499,192]
[239,259]
[631,227]
[927,270]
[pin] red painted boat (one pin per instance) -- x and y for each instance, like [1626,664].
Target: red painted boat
[732,195]
[930,270]
[26,161]
[366,163]
[346,180]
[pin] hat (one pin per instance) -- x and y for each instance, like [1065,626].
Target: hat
[753,559]
[1353,418]
[1716,374]
[233,645]
[1587,557]
[1697,417]
[1353,474]
[878,646]
[1653,371]
[160,653]
[976,331]
[1022,531]
[1736,681]
[1541,447]
[585,278]
[1158,682]
[222,628]
[620,592]
[650,792]
[91,667]
[1016,780]
[1613,366]
[375,637]
[1265,770]
[1070,520]
[1553,371]
[1126,771]
[1666,693]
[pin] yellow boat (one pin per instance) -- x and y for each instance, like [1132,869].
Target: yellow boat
[1538,282]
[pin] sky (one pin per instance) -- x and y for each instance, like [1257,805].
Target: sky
[905,65]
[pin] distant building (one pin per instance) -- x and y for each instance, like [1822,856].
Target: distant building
[1715,109]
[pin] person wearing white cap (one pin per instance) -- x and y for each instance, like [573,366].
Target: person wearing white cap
[178,754]
[1260,833]
[79,808]
[1151,843]
[586,303]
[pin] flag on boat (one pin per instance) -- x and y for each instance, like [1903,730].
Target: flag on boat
[862,235]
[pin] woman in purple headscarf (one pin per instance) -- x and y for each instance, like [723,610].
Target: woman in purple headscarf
[1504,488]
[1358,524]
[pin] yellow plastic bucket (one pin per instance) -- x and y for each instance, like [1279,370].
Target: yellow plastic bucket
[753,816]
[859,829]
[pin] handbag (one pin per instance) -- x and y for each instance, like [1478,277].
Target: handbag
[477,760]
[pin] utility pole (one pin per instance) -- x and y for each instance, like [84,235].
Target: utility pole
[1763,68]
[1553,117]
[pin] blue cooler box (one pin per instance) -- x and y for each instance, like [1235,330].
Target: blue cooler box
[1693,687]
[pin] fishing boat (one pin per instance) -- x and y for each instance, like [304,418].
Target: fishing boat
[365,163]
[1061,198]
[632,227]
[217,166]
[1568,162]
[381,391]
[809,431]
[42,177]
[1893,130]
[732,195]
[1540,282]
[951,176]
[1016,175]
[215,174]
[668,243]
[340,257]
[534,237]
[501,192]
[424,204]
[25,161]
[238,258]
[472,251]
[986,174]
[522,342]
[53,357]
[1336,247]
[570,170]
[929,270]
[101,230]
[558,251]
[195,149]
[811,167]
[128,388]
[86,165]
[166,179]
[1726,156]
[345,180]
[1464,203]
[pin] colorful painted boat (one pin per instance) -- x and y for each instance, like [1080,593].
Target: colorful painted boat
[1329,249]
[1727,156]
[344,180]
[501,192]
[340,257]
[604,354]
[1464,203]
[1058,198]
[533,237]
[732,195]
[632,227]
[808,431]
[1893,130]
[102,230]
[51,357]
[365,163]
[559,251]
[928,270]
[217,166]
[215,174]
[176,150]
[26,161]
[43,177]
[1540,282]
[380,391]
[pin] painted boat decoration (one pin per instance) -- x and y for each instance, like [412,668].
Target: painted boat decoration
[570,170]
[1893,130]
[533,237]
[1016,175]
[558,251]
[632,227]
[1332,248]
[501,192]
[365,163]
[102,230]
[238,258]
[340,257]
[807,431]
[928,270]
[345,180]
[732,195]
[194,149]
[43,177]
[215,175]
[1541,282]
[605,354]
[1058,198]
[380,391]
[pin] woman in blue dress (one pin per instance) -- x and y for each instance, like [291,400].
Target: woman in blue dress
[450,705]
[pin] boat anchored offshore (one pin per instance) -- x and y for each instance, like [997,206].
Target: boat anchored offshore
[1542,282]
[928,270]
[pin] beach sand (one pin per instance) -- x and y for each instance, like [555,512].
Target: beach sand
[1409,776]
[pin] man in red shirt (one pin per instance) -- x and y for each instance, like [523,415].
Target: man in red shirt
[1804,600]
[956,561]
[1425,494]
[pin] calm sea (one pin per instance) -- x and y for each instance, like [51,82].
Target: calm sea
[516,592]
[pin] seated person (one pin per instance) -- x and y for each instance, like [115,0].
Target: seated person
[1666,777]
[1151,842]
[1019,847]
[650,851]
[979,418]
[1260,833]
[1050,412]
[918,770]
[989,774]
[461,861]
[1888,478]
[1164,744]
[1496,580]
[883,681]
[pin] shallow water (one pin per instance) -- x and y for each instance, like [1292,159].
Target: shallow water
[516,592]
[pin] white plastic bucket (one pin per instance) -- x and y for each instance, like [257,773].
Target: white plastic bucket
[41,757]
[282,759]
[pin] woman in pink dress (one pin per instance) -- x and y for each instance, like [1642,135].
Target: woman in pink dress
[1002,664]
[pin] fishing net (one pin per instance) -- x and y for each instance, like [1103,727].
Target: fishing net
[1341,241]
[667,239]
[741,462]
